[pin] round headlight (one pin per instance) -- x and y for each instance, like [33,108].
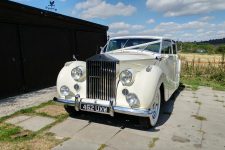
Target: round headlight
[77,73]
[126,77]
[64,90]
[133,100]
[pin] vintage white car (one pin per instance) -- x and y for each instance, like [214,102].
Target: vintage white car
[133,75]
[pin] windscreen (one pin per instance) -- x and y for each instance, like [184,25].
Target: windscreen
[115,44]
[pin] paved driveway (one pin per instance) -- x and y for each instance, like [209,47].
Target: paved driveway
[190,120]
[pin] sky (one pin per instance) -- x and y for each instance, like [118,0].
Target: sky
[185,20]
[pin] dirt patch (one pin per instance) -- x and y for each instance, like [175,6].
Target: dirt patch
[52,110]
[40,142]
[21,134]
[180,139]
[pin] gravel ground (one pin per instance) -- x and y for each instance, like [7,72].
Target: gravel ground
[12,104]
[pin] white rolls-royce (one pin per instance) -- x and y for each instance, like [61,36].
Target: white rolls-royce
[133,75]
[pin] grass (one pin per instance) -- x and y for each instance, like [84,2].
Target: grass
[203,71]
[153,141]
[12,137]
[7,131]
[201,118]
[31,111]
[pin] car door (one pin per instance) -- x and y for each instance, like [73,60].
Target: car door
[169,59]
[176,63]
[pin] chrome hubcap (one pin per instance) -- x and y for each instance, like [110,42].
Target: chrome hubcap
[155,108]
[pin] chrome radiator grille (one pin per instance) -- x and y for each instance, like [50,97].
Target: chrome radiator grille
[101,80]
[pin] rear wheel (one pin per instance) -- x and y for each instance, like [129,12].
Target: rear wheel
[151,121]
[71,110]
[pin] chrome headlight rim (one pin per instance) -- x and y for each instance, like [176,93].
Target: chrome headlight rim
[78,73]
[127,77]
[133,100]
[64,90]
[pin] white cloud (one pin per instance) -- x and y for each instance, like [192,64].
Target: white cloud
[172,8]
[196,30]
[119,33]
[87,4]
[101,9]
[151,21]
[206,18]
[125,26]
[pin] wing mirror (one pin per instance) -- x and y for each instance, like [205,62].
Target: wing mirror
[160,56]
[101,48]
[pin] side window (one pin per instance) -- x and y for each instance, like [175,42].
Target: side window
[174,48]
[166,47]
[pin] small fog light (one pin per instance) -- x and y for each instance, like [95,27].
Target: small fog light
[132,100]
[76,87]
[125,92]
[64,90]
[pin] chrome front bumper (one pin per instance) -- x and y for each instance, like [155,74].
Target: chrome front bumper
[117,109]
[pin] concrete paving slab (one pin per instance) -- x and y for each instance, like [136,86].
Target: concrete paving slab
[69,127]
[98,133]
[129,141]
[12,104]
[177,128]
[36,123]
[18,119]
[213,141]
[77,144]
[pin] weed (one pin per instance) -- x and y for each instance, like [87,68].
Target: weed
[153,141]
[201,131]
[7,131]
[201,118]
[198,102]
[102,147]
[215,95]
[221,101]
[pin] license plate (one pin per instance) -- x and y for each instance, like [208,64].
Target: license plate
[94,108]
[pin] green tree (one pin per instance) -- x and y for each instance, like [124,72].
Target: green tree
[221,49]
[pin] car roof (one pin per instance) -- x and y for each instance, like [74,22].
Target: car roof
[145,37]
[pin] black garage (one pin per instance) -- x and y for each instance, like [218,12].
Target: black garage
[35,44]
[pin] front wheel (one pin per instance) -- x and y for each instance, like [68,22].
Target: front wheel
[152,120]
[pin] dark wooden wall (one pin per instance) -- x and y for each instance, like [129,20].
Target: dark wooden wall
[35,44]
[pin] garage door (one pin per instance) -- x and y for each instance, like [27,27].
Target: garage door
[45,51]
[10,61]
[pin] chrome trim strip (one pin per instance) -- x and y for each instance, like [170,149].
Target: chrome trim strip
[134,112]
[118,109]
[64,101]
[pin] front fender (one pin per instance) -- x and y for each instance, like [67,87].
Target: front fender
[65,78]
[144,86]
